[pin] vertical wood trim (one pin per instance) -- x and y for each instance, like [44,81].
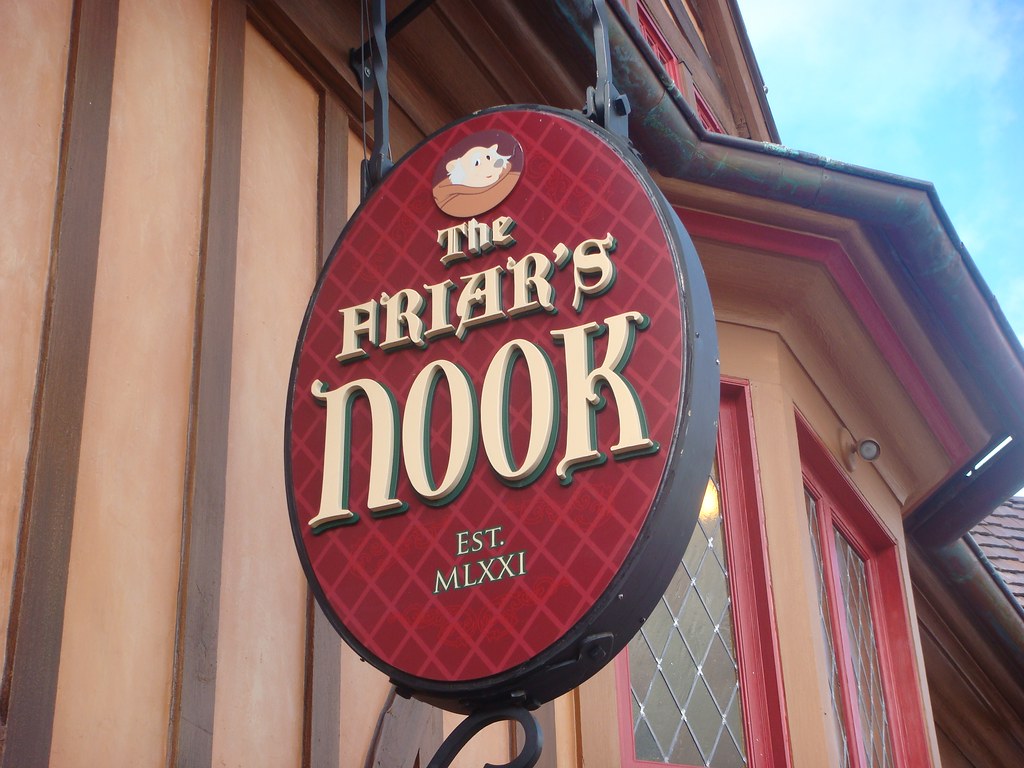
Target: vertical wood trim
[322,719]
[578,729]
[36,625]
[433,736]
[755,636]
[324,692]
[190,737]
[336,167]
[545,717]
[408,732]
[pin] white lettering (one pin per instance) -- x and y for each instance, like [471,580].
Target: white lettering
[416,432]
[334,501]
[583,393]
[494,409]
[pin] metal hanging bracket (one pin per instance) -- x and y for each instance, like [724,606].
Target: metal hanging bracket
[606,105]
[380,162]
[359,59]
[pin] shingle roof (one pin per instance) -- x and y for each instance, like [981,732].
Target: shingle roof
[1001,537]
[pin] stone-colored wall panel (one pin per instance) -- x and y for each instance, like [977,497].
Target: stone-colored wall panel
[262,642]
[33,70]
[117,650]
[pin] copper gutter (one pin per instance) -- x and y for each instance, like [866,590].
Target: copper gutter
[983,595]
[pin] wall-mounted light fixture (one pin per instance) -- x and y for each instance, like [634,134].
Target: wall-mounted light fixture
[867,449]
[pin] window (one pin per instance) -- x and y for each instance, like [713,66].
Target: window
[700,684]
[682,664]
[878,720]
[656,39]
[676,70]
[707,117]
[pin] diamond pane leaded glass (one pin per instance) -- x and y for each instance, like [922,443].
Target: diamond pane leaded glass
[864,654]
[834,682]
[683,674]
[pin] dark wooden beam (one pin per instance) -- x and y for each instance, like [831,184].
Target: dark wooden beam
[190,734]
[545,717]
[335,168]
[407,731]
[322,718]
[674,22]
[29,691]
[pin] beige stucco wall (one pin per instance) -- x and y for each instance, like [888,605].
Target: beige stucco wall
[261,643]
[490,746]
[33,68]
[117,650]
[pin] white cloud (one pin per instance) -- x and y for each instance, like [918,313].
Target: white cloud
[872,64]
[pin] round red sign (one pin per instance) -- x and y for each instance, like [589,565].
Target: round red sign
[502,410]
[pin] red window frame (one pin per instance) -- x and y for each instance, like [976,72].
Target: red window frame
[656,39]
[760,672]
[841,507]
[707,117]
[663,51]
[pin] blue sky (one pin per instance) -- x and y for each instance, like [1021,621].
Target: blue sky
[931,89]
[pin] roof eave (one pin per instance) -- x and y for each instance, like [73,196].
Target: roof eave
[905,212]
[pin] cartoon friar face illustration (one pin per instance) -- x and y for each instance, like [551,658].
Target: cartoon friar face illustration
[477,173]
[478,167]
